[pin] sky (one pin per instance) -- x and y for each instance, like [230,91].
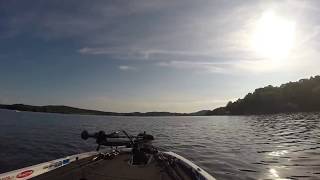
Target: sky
[153,55]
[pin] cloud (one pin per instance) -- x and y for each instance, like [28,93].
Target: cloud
[87,21]
[127,68]
[202,34]
[143,53]
[208,67]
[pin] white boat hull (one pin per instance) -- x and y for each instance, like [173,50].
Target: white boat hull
[39,169]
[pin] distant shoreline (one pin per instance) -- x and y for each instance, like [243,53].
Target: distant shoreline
[19,108]
[60,109]
[292,97]
[157,115]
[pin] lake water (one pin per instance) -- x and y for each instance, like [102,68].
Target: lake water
[229,147]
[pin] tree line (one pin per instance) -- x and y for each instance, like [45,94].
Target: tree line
[300,96]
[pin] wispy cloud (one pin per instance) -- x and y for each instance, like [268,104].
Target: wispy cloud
[127,68]
[225,67]
[144,53]
[208,67]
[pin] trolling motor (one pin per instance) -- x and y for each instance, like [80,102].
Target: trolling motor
[142,150]
[114,139]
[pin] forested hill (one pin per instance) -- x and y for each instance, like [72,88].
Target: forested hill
[55,109]
[300,96]
[73,110]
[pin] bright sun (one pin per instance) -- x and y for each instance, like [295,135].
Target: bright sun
[273,37]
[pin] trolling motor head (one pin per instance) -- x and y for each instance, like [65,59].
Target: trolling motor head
[84,135]
[146,137]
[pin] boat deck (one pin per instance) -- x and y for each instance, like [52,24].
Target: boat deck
[116,168]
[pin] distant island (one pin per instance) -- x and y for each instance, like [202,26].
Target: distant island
[300,96]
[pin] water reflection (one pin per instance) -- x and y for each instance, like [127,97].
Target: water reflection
[274,175]
[278,153]
[274,171]
[288,143]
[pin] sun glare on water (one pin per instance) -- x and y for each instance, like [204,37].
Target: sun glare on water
[273,37]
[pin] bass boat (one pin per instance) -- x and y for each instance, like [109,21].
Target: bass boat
[126,158]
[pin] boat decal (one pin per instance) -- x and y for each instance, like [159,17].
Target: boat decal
[24,174]
[54,165]
[7,178]
[65,161]
[46,166]
[57,164]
